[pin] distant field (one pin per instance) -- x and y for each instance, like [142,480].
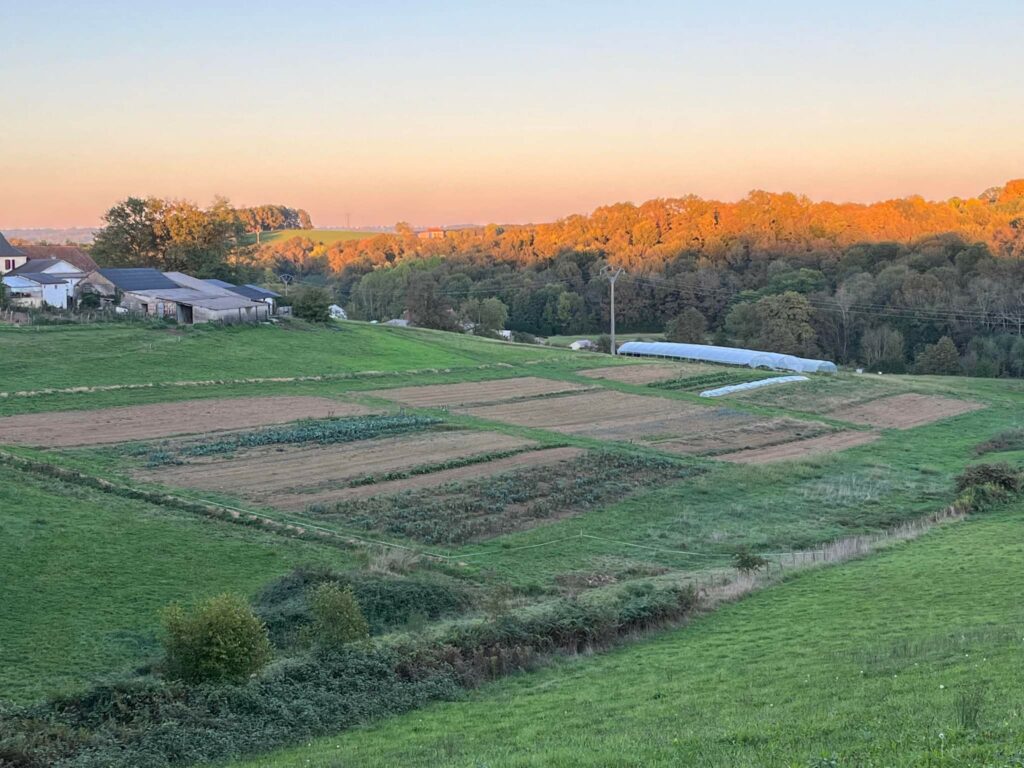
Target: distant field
[869,663]
[565,341]
[325,236]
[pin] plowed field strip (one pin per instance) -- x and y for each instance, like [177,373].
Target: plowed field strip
[905,411]
[646,374]
[144,422]
[801,449]
[436,395]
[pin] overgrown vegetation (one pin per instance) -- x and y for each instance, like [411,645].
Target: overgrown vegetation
[337,618]
[387,602]
[982,486]
[150,725]
[477,509]
[1008,440]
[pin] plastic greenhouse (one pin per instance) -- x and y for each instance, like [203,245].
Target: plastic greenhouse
[727,356]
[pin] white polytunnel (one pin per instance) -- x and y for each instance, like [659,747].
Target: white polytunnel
[727,355]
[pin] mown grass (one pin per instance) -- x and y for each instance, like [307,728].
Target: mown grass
[85,575]
[909,658]
[59,357]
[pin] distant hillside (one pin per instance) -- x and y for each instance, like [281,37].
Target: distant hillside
[57,236]
[325,236]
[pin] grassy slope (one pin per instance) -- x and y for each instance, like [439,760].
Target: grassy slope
[85,574]
[325,236]
[56,357]
[864,661]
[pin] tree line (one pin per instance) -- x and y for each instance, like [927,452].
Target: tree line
[898,285]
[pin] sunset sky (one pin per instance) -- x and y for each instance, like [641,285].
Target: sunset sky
[460,112]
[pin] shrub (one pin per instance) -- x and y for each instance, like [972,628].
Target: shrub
[939,358]
[1000,475]
[337,617]
[312,304]
[1007,440]
[747,562]
[221,639]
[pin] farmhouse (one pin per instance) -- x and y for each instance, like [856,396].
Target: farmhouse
[70,254]
[58,268]
[37,290]
[10,257]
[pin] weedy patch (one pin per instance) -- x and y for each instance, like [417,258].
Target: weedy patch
[479,509]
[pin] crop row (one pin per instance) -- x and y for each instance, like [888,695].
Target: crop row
[476,509]
[716,379]
[320,431]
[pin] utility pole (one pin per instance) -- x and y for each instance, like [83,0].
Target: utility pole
[612,273]
[287,280]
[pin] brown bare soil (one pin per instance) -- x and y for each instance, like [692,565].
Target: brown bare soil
[476,392]
[144,422]
[542,457]
[275,474]
[905,411]
[647,374]
[672,425]
[801,449]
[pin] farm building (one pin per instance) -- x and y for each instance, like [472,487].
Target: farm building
[727,355]
[71,254]
[174,295]
[10,257]
[58,268]
[37,290]
[337,312]
[582,344]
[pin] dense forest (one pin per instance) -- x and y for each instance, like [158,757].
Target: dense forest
[904,284]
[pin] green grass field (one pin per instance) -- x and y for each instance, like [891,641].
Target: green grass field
[85,575]
[325,236]
[873,663]
[58,357]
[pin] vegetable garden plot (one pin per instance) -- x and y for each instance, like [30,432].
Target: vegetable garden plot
[647,374]
[284,475]
[144,422]
[905,411]
[479,509]
[436,395]
[673,425]
[801,449]
[457,474]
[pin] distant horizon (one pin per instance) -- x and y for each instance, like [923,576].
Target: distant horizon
[465,224]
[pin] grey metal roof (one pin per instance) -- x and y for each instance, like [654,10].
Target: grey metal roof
[37,277]
[195,284]
[35,266]
[218,283]
[137,278]
[195,298]
[254,292]
[6,249]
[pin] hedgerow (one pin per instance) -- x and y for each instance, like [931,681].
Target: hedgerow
[148,723]
[476,509]
[387,602]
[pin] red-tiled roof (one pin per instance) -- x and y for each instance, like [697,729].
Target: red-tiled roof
[69,253]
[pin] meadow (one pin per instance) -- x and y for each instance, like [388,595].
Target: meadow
[325,236]
[912,657]
[422,456]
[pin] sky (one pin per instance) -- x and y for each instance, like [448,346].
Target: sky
[474,112]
